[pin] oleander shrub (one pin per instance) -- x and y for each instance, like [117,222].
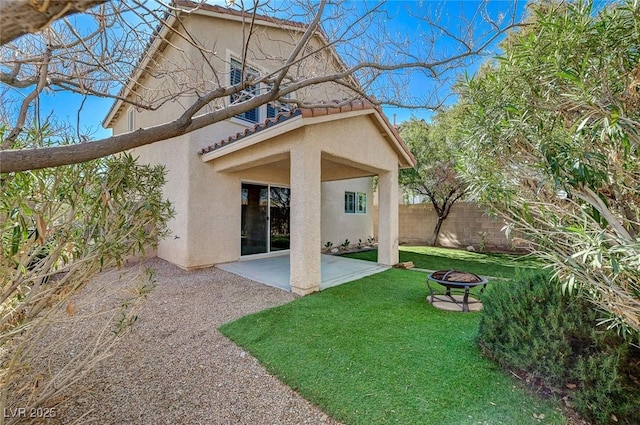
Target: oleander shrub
[60,227]
[530,327]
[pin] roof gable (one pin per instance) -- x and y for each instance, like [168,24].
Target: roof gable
[288,121]
[174,19]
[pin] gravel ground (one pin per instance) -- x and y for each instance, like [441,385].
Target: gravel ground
[175,367]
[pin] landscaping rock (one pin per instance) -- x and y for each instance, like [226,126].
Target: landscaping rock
[175,367]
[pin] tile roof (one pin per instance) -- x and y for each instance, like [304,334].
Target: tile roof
[270,122]
[191,5]
[331,108]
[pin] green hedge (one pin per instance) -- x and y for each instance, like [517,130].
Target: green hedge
[527,325]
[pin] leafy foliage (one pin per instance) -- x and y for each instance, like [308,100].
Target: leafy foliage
[435,148]
[553,145]
[527,325]
[58,228]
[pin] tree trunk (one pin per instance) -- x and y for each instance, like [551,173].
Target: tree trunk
[436,231]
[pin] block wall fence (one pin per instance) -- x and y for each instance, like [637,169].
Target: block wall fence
[467,225]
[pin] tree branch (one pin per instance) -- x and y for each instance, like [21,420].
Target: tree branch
[32,15]
[54,156]
[100,67]
[22,115]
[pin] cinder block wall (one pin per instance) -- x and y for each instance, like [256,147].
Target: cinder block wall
[466,225]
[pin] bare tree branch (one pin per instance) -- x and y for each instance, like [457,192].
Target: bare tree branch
[30,16]
[118,53]
[22,115]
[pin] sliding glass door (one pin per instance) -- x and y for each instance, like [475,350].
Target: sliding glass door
[255,200]
[279,208]
[265,218]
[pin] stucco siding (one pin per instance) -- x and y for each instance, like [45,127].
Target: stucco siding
[337,225]
[313,159]
[214,228]
[356,141]
[268,48]
[180,70]
[273,150]
[183,70]
[173,154]
[207,195]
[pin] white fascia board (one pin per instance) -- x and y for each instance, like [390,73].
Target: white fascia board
[397,144]
[336,116]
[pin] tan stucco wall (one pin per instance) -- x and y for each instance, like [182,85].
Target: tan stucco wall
[267,49]
[338,225]
[356,141]
[182,69]
[206,196]
[214,231]
[206,228]
[172,154]
[467,225]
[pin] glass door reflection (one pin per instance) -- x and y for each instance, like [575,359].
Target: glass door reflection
[265,219]
[254,219]
[279,209]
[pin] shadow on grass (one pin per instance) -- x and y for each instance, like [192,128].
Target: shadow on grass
[432,258]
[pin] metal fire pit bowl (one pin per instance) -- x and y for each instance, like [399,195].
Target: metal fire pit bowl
[455,281]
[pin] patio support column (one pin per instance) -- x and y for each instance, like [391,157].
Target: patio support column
[305,219]
[388,218]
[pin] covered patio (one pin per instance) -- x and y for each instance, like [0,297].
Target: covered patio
[293,154]
[275,270]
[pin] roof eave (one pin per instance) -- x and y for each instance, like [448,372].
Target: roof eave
[269,133]
[405,158]
[150,51]
[401,147]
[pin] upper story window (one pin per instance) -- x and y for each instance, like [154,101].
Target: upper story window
[260,113]
[252,115]
[131,119]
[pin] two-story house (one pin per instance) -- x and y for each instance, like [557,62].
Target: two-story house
[275,178]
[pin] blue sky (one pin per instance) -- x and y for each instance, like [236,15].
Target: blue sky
[453,14]
[402,22]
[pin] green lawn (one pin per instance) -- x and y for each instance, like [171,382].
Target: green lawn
[431,258]
[374,352]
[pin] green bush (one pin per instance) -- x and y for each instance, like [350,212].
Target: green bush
[529,326]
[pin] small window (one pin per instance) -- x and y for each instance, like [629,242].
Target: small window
[361,203]
[275,108]
[349,202]
[259,114]
[355,203]
[131,119]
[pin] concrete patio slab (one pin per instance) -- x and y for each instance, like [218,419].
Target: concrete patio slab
[274,271]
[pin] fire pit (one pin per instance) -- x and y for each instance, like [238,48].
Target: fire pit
[455,281]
